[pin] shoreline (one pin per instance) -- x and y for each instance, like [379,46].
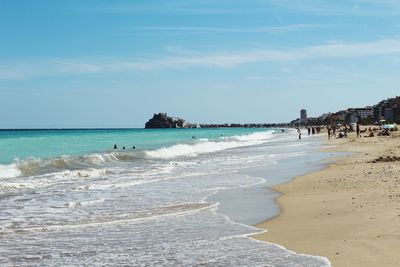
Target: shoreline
[257,203]
[347,212]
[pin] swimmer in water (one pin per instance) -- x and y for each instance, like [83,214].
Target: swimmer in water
[115,147]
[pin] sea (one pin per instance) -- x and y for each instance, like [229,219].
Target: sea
[163,197]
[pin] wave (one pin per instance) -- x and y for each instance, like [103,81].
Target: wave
[257,136]
[163,212]
[72,166]
[9,171]
[205,147]
[83,166]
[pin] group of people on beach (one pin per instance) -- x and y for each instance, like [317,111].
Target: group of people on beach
[339,131]
[313,130]
[310,130]
[343,131]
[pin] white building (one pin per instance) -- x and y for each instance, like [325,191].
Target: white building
[363,113]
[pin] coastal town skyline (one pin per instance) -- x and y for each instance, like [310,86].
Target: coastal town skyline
[69,64]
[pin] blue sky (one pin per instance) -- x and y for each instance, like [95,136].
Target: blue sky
[115,63]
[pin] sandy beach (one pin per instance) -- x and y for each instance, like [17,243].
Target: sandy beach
[348,212]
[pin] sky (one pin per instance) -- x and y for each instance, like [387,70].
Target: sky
[93,63]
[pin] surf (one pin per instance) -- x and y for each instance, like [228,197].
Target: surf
[84,164]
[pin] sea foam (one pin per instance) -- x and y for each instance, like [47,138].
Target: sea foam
[9,171]
[205,147]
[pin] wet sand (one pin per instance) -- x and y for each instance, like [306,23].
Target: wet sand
[348,212]
[254,204]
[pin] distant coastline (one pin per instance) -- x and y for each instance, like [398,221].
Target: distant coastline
[162,120]
[387,111]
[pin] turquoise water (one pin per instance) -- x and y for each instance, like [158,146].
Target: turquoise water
[72,200]
[53,143]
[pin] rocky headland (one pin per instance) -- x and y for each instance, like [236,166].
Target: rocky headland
[162,120]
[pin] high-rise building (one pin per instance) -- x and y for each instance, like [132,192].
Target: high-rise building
[303,115]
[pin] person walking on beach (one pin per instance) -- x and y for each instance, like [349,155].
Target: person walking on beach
[299,135]
[329,133]
[358,130]
[309,131]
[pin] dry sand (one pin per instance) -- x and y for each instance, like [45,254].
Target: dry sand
[349,212]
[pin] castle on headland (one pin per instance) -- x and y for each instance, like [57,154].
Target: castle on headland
[387,110]
[161,120]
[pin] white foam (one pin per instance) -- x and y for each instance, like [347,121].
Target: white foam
[89,173]
[258,136]
[22,185]
[9,171]
[85,203]
[204,147]
[95,158]
[115,221]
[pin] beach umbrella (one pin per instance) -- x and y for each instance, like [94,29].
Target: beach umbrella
[391,127]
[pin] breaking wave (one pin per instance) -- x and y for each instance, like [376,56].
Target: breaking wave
[9,171]
[76,165]
[205,147]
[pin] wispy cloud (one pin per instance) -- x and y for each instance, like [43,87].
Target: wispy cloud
[270,29]
[240,7]
[51,67]
[340,8]
[172,7]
